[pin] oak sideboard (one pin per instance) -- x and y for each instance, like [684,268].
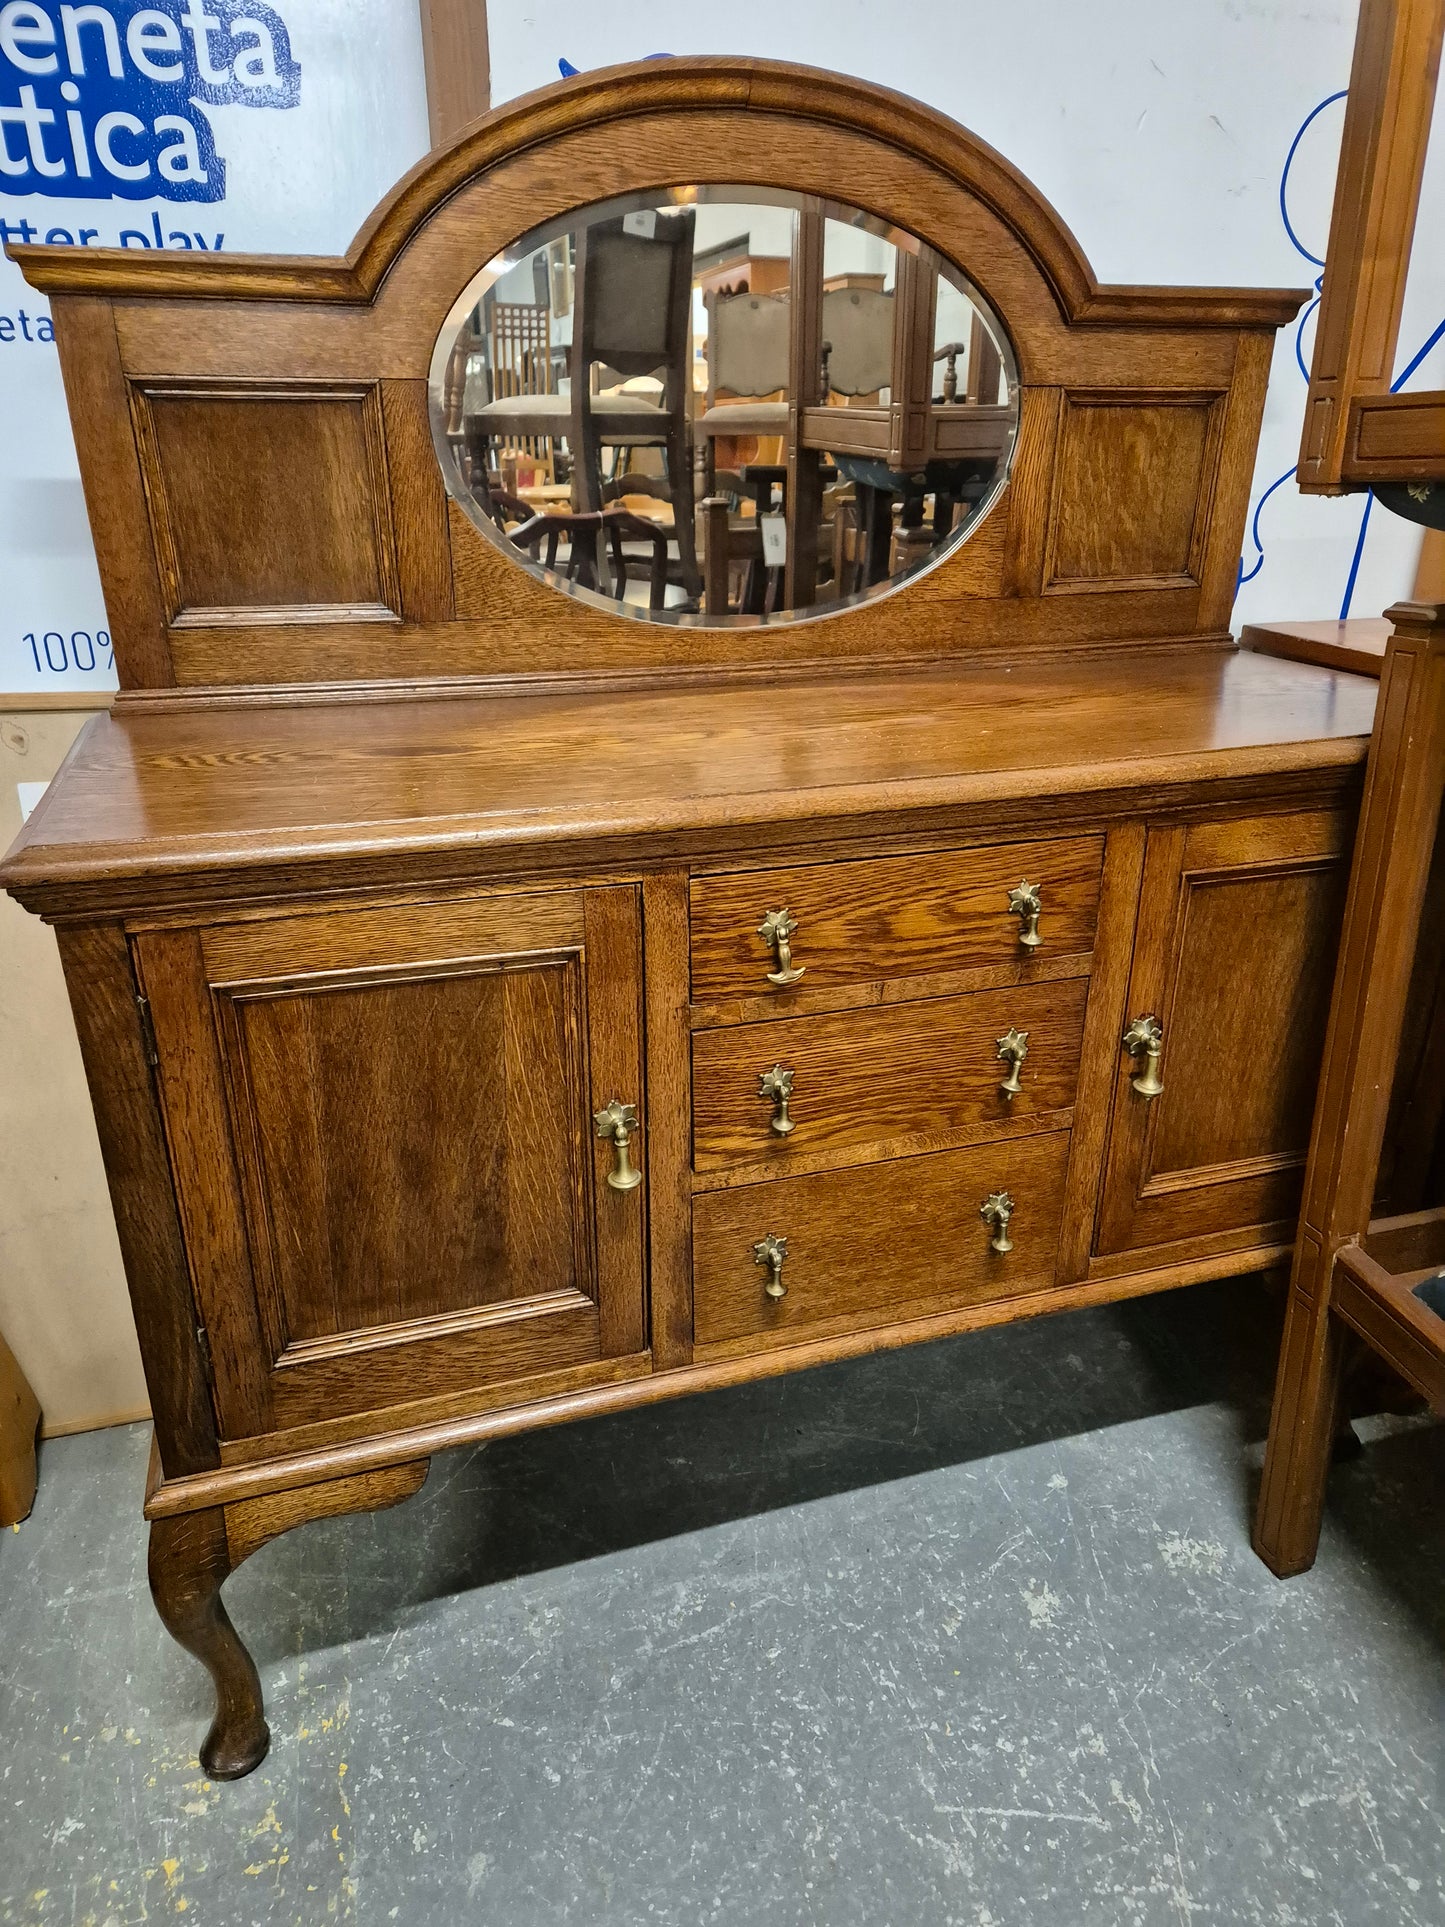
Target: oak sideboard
[605,878]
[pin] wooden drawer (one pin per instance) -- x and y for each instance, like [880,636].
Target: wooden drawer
[873,1076]
[896,916]
[868,1243]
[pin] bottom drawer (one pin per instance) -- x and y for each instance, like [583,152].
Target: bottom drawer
[867,1243]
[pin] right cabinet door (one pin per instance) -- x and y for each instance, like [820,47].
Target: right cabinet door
[1234,957]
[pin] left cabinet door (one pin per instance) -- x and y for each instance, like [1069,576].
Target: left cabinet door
[381,1130]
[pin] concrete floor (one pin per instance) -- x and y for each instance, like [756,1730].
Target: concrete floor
[963,1636]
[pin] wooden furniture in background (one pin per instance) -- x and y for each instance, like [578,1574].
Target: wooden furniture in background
[497,1012]
[457,60]
[1354,1272]
[1356,433]
[1354,643]
[19,1423]
[1371,1226]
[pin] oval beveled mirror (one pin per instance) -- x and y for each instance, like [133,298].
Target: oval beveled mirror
[723,405]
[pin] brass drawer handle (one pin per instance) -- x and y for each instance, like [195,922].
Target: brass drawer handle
[771,1251]
[776,930]
[776,1086]
[1145,1038]
[996,1210]
[1026,903]
[617,1121]
[1013,1048]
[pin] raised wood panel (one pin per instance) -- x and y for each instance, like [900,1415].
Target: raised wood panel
[412,1148]
[1238,925]
[380,1125]
[893,916]
[1395,438]
[1131,489]
[866,1242]
[868,1077]
[268,500]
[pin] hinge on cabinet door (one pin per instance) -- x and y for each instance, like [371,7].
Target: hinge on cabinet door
[203,1343]
[147,1028]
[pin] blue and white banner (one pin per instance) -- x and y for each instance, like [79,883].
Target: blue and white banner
[191,125]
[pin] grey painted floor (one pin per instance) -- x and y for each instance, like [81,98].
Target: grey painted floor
[965,1635]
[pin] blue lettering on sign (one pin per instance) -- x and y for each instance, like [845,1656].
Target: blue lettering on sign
[100,101]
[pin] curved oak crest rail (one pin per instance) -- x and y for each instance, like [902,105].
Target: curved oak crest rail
[1139,410]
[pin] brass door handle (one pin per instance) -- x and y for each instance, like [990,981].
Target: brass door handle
[776,930]
[616,1122]
[1145,1038]
[776,1086]
[1013,1048]
[996,1210]
[1026,903]
[771,1251]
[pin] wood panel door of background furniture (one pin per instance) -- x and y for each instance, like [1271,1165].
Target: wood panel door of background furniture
[1238,926]
[380,1127]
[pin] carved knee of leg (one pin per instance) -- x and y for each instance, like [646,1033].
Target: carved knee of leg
[189,1560]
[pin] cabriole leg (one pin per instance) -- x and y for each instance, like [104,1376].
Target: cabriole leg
[193,1553]
[189,1563]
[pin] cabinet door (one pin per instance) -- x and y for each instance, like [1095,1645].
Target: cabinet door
[381,1134]
[1234,953]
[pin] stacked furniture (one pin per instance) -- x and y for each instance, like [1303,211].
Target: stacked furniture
[499,1011]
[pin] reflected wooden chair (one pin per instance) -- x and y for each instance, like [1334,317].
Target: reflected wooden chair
[747,364]
[632,317]
[733,536]
[613,536]
[1376,1280]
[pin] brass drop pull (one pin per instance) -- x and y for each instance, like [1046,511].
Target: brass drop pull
[1026,903]
[771,1251]
[776,930]
[618,1121]
[1013,1048]
[776,1086]
[1145,1038]
[996,1210]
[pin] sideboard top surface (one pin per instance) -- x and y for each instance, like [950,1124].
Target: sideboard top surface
[224,799]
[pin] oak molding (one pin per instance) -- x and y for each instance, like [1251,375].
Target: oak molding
[636,91]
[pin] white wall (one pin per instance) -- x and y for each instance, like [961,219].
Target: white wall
[1159,132]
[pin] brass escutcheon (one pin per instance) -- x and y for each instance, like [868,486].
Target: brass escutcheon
[617,1121]
[771,1251]
[1026,903]
[776,930]
[996,1210]
[1013,1048]
[776,1086]
[1145,1038]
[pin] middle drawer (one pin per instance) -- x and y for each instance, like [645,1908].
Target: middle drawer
[858,1077]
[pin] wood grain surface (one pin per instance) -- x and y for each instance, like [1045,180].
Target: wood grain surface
[894,916]
[863,1078]
[867,1241]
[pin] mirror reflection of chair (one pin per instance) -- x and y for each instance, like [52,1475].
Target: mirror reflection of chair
[748,377]
[591,538]
[857,350]
[631,320]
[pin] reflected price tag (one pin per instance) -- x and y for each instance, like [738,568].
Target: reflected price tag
[775,540]
[643,222]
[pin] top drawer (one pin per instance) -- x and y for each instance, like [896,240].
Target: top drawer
[893,916]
